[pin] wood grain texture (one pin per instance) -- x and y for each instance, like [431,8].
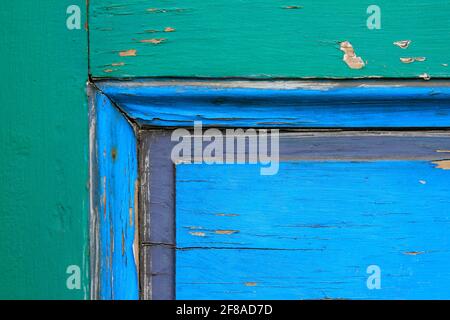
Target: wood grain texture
[285,104]
[44,159]
[240,235]
[265,38]
[156,146]
[311,231]
[114,211]
[157,217]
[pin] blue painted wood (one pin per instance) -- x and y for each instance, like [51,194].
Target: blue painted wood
[311,231]
[115,208]
[309,105]
[375,215]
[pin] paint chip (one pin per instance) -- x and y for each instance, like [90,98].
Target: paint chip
[194,228]
[414,253]
[169,29]
[350,57]
[118,64]
[227,215]
[197,234]
[154,41]
[114,153]
[130,216]
[155,10]
[251,284]
[404,44]
[128,53]
[292,7]
[227,232]
[425,76]
[412,59]
[108,70]
[442,164]
[407,60]
[443,151]
[422,182]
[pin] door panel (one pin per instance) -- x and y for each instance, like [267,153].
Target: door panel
[311,231]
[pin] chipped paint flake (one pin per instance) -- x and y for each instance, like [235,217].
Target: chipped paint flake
[195,228]
[227,215]
[130,216]
[442,164]
[412,59]
[407,60]
[350,57]
[422,182]
[226,232]
[128,53]
[169,29]
[414,253]
[292,7]
[118,64]
[154,41]
[156,10]
[404,44]
[251,284]
[443,151]
[425,76]
[197,234]
[114,154]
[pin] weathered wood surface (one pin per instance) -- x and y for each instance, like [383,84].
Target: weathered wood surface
[44,201]
[114,206]
[311,231]
[294,104]
[157,216]
[266,38]
[342,201]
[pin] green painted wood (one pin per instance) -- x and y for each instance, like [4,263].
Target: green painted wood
[44,158]
[264,38]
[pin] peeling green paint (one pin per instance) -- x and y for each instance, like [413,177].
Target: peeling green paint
[261,38]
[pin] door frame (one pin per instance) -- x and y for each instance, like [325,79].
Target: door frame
[128,261]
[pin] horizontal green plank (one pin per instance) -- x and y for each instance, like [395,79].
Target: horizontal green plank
[266,38]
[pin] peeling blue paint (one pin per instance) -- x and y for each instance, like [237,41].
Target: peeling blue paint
[369,106]
[116,154]
[311,231]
